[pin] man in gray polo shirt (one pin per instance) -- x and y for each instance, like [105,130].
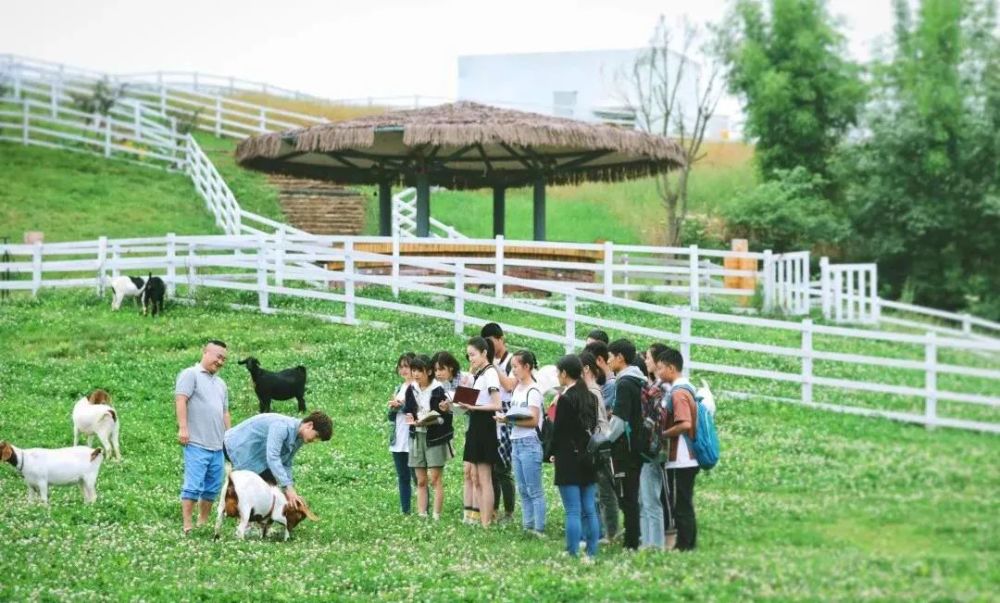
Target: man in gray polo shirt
[202,402]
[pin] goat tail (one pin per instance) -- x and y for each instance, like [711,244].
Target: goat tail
[96,452]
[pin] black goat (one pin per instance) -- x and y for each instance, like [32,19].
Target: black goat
[152,294]
[280,385]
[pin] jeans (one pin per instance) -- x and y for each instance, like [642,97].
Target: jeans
[580,500]
[503,487]
[402,461]
[682,491]
[203,473]
[607,502]
[527,459]
[650,507]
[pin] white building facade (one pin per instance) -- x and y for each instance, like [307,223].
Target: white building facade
[591,85]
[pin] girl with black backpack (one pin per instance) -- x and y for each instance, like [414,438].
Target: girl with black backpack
[576,475]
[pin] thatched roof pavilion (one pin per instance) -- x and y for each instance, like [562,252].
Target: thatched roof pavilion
[461,145]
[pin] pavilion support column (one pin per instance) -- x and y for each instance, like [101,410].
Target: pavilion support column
[423,205]
[499,209]
[540,208]
[385,208]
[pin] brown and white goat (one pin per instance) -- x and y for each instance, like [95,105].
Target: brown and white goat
[94,415]
[248,497]
[44,467]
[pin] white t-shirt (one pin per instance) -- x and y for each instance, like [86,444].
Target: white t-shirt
[684,459]
[526,396]
[503,365]
[423,397]
[486,383]
[402,441]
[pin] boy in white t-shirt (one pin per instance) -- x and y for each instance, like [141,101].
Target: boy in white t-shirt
[682,466]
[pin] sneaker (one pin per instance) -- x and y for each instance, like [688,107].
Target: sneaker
[604,541]
[587,560]
[437,517]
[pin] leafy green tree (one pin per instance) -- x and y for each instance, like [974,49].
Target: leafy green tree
[923,185]
[786,213]
[800,94]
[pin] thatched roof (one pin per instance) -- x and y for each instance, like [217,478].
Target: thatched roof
[462,145]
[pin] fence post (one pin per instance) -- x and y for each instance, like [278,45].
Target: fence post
[279,257]
[107,136]
[263,120]
[163,99]
[395,263]
[930,379]
[499,267]
[459,297]
[693,283]
[54,98]
[609,274]
[218,116]
[192,271]
[36,268]
[137,121]
[570,323]
[262,293]
[838,290]
[686,341]
[625,291]
[807,360]
[17,83]
[349,280]
[966,324]
[102,255]
[768,281]
[116,253]
[873,293]
[26,122]
[824,286]
[171,264]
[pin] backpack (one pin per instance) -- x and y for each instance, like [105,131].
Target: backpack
[546,430]
[654,421]
[705,445]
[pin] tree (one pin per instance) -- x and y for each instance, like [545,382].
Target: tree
[800,95]
[923,187]
[671,95]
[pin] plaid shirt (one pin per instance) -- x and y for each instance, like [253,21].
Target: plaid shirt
[504,446]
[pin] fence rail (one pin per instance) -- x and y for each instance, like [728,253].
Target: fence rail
[282,265]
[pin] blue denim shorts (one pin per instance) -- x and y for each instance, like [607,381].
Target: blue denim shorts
[203,473]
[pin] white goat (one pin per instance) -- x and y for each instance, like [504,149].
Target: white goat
[125,286]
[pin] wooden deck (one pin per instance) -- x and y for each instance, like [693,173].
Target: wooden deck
[474,250]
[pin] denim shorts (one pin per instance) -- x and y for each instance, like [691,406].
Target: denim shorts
[203,473]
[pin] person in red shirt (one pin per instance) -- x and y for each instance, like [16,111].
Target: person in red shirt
[682,466]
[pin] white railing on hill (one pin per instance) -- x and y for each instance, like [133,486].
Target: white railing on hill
[279,266]
[404,217]
[217,113]
[129,134]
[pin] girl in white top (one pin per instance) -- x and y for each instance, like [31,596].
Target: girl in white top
[481,440]
[399,438]
[527,447]
[448,372]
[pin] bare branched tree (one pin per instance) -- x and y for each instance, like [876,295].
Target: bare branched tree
[672,95]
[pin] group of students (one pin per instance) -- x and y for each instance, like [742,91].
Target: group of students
[641,403]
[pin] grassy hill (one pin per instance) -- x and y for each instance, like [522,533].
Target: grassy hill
[805,504]
[72,196]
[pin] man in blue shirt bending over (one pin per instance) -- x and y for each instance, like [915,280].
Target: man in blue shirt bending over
[267,443]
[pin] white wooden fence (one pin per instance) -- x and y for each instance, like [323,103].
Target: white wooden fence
[280,266]
[786,282]
[222,116]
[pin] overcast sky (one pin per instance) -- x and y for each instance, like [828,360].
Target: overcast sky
[343,49]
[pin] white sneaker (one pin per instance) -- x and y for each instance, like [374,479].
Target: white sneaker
[587,560]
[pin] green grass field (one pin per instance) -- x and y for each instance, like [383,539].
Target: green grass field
[73,196]
[805,504]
